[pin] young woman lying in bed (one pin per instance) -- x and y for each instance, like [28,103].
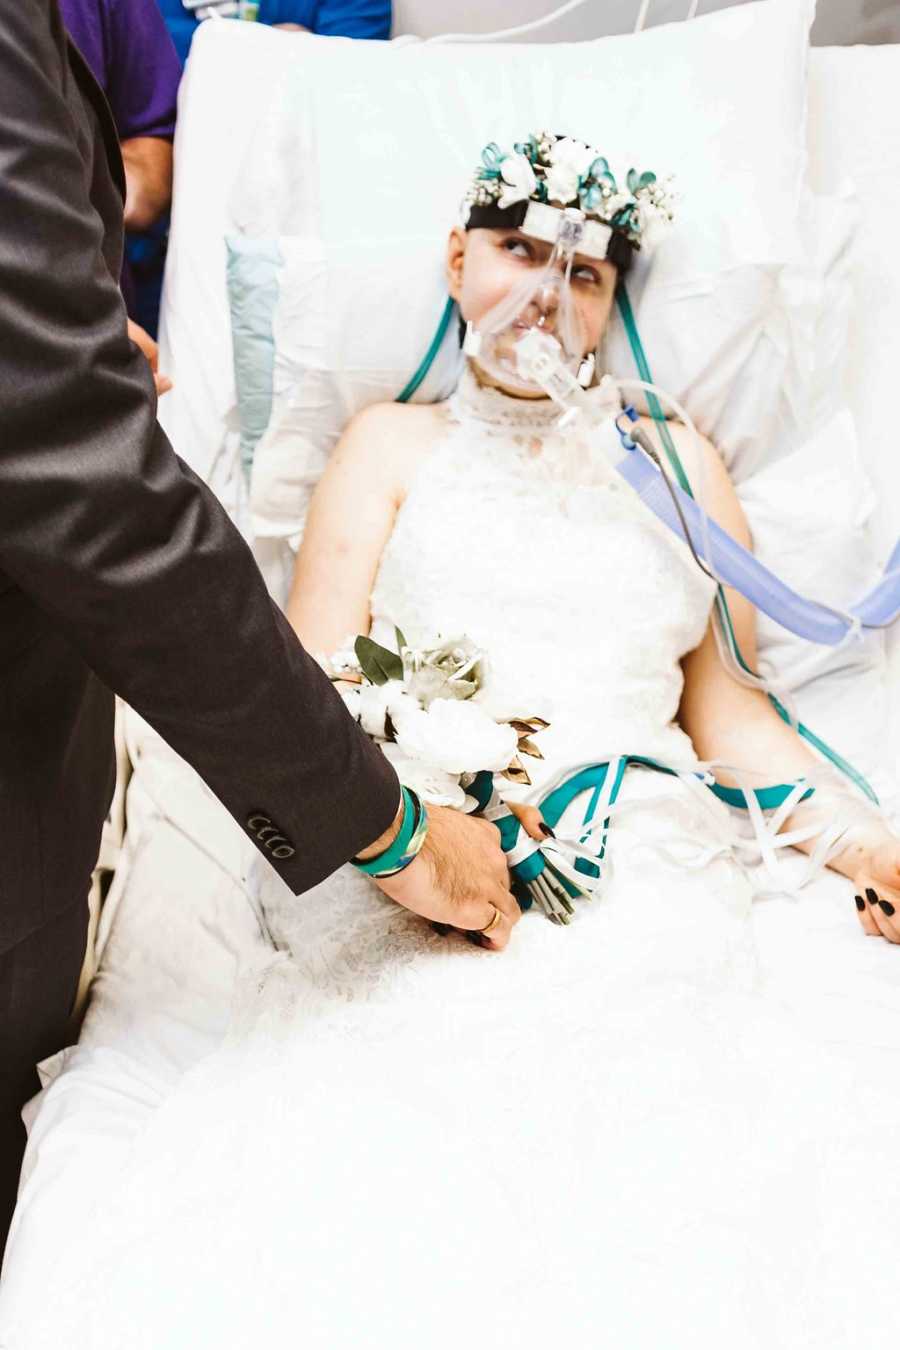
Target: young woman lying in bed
[480,515]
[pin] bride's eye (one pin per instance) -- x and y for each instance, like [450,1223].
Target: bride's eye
[518,248]
[588,275]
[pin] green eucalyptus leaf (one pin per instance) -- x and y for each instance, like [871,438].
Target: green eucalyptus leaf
[401,640]
[632,180]
[377,663]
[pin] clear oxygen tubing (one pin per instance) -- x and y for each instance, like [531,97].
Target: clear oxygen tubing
[502,34]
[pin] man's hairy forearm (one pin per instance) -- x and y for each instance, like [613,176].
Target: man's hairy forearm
[148,172]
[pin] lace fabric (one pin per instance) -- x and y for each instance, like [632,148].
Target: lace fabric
[517,535]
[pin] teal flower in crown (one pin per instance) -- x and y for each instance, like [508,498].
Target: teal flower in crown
[562,171]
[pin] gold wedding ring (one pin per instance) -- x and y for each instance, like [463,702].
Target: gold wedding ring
[494,921]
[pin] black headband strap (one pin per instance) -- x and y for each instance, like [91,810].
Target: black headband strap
[620,250]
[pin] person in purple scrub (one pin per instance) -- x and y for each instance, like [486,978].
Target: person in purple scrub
[133,59]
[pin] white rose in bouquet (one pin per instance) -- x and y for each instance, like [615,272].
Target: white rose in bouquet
[504,703]
[382,704]
[456,736]
[352,699]
[453,669]
[435,786]
[437,713]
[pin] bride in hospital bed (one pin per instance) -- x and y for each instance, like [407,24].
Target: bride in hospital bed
[620,1128]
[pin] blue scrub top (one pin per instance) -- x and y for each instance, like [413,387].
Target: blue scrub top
[330,18]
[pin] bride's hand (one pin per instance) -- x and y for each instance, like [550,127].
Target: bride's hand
[460,878]
[531,820]
[877,883]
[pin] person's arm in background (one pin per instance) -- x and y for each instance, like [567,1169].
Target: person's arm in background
[142,88]
[330,18]
[148,174]
[353,18]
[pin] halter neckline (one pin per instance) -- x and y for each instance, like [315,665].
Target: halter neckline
[495,409]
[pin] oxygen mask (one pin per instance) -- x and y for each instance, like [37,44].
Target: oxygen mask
[538,310]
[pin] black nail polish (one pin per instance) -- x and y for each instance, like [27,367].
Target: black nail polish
[860,904]
[442,929]
[871,896]
[545,829]
[886,907]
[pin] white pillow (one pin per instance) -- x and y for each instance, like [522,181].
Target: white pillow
[809,514]
[363,155]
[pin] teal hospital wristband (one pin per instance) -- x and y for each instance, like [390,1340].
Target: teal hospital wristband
[406,847]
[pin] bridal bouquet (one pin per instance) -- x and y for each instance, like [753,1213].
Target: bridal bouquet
[453,734]
[436,714]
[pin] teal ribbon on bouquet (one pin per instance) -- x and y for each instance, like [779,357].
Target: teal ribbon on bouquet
[555,872]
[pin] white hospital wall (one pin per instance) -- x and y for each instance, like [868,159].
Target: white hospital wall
[838,22]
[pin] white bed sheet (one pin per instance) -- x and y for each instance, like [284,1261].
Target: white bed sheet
[170,968]
[177,934]
[183,934]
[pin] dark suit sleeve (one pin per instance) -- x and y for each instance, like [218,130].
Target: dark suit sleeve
[115,540]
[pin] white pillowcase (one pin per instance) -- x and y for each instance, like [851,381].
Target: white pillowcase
[808,514]
[360,159]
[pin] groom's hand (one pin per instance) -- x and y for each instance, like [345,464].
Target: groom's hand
[460,877]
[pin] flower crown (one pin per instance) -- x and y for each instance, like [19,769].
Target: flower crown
[559,170]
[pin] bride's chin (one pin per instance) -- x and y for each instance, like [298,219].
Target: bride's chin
[491,382]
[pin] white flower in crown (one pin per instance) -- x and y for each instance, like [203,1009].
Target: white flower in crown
[569,161]
[456,736]
[654,231]
[615,203]
[518,178]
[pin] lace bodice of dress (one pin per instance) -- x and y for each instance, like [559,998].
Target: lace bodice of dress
[521,537]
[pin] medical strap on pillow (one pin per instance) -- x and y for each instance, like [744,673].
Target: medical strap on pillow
[407,844]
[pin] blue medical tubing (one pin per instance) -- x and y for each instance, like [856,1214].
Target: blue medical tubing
[739,568]
[878,609]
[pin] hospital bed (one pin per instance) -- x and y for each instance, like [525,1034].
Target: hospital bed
[167,970]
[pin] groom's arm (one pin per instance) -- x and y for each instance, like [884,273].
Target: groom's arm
[112,536]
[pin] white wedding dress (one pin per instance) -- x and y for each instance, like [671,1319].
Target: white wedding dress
[605,1136]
